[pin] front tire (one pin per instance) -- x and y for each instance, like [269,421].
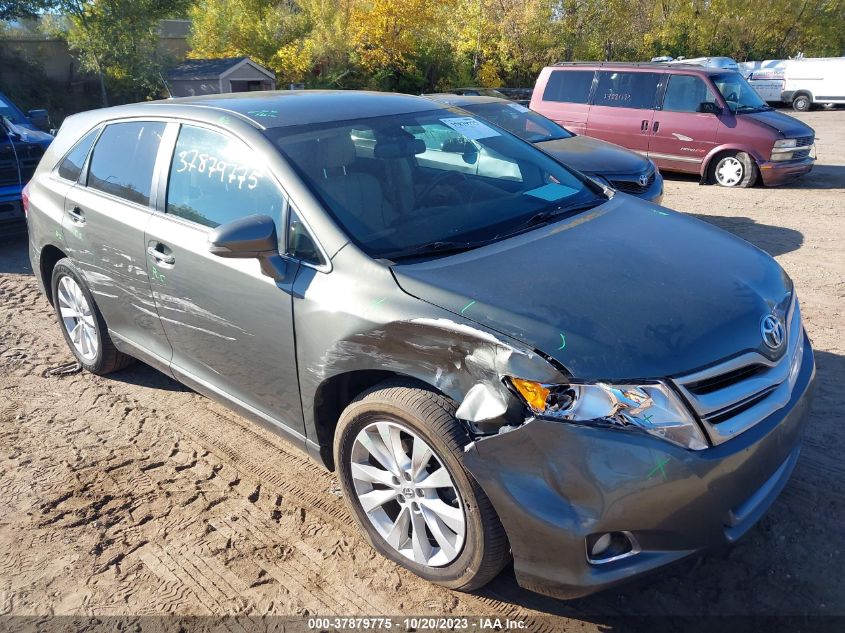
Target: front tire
[82,323]
[734,169]
[399,456]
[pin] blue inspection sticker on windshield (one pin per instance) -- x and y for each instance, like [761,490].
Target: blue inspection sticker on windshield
[551,192]
[471,128]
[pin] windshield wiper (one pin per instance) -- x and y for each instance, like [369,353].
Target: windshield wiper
[748,108]
[439,247]
[548,214]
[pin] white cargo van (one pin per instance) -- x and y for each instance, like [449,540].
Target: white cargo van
[801,82]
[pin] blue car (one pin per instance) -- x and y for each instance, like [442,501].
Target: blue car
[22,144]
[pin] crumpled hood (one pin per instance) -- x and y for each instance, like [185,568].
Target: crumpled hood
[593,156]
[789,126]
[625,290]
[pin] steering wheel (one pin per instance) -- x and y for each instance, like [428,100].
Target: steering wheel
[440,179]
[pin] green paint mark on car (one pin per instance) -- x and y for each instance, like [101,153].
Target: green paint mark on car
[157,275]
[659,468]
[467,306]
[562,342]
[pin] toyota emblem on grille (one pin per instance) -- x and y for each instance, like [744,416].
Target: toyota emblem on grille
[772,330]
[643,180]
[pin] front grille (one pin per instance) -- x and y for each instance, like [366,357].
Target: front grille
[28,156]
[801,141]
[631,184]
[733,396]
[802,153]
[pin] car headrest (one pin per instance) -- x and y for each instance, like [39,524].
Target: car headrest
[403,148]
[336,151]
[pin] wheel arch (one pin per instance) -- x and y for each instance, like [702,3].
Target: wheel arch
[336,393]
[717,152]
[47,260]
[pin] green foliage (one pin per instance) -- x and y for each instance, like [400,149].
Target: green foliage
[425,45]
[429,45]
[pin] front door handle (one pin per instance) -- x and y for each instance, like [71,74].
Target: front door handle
[76,215]
[654,127]
[158,253]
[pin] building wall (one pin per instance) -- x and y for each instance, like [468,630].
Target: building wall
[193,87]
[60,65]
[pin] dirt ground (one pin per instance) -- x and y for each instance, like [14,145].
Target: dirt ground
[131,495]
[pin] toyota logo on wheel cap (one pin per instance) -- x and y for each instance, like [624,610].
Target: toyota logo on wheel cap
[773,332]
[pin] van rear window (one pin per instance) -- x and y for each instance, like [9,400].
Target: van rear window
[569,86]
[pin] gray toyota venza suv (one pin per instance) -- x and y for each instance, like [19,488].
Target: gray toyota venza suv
[498,357]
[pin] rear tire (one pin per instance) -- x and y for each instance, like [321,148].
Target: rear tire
[802,103]
[82,324]
[734,169]
[477,548]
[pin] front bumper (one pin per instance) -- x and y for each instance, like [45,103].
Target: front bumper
[553,484]
[778,173]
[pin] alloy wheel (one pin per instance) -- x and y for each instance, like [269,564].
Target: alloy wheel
[408,494]
[729,172]
[77,318]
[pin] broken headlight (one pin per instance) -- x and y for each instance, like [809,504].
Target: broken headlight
[653,408]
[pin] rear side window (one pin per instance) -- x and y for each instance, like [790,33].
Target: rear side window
[123,160]
[626,90]
[686,93]
[215,179]
[569,86]
[71,166]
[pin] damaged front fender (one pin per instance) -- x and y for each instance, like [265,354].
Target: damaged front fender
[344,325]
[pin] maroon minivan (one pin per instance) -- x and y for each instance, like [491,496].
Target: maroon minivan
[685,118]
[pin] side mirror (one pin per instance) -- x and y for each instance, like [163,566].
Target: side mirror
[252,237]
[40,119]
[708,107]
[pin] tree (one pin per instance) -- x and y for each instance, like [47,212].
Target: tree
[16,9]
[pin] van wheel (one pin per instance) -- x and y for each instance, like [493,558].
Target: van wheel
[399,455]
[82,323]
[801,103]
[736,169]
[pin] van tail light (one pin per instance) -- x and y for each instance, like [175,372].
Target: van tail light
[25,199]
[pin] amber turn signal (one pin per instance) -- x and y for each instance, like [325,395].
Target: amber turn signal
[533,393]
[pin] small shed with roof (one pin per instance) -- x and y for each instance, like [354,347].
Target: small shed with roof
[195,77]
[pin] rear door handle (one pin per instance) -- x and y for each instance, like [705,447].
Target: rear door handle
[158,253]
[654,127]
[644,125]
[77,215]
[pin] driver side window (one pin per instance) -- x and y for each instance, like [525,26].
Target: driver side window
[686,93]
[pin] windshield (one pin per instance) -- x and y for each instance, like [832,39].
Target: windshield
[519,120]
[398,183]
[740,96]
[11,112]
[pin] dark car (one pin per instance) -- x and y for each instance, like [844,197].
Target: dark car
[484,346]
[22,145]
[686,118]
[614,166]
[520,95]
